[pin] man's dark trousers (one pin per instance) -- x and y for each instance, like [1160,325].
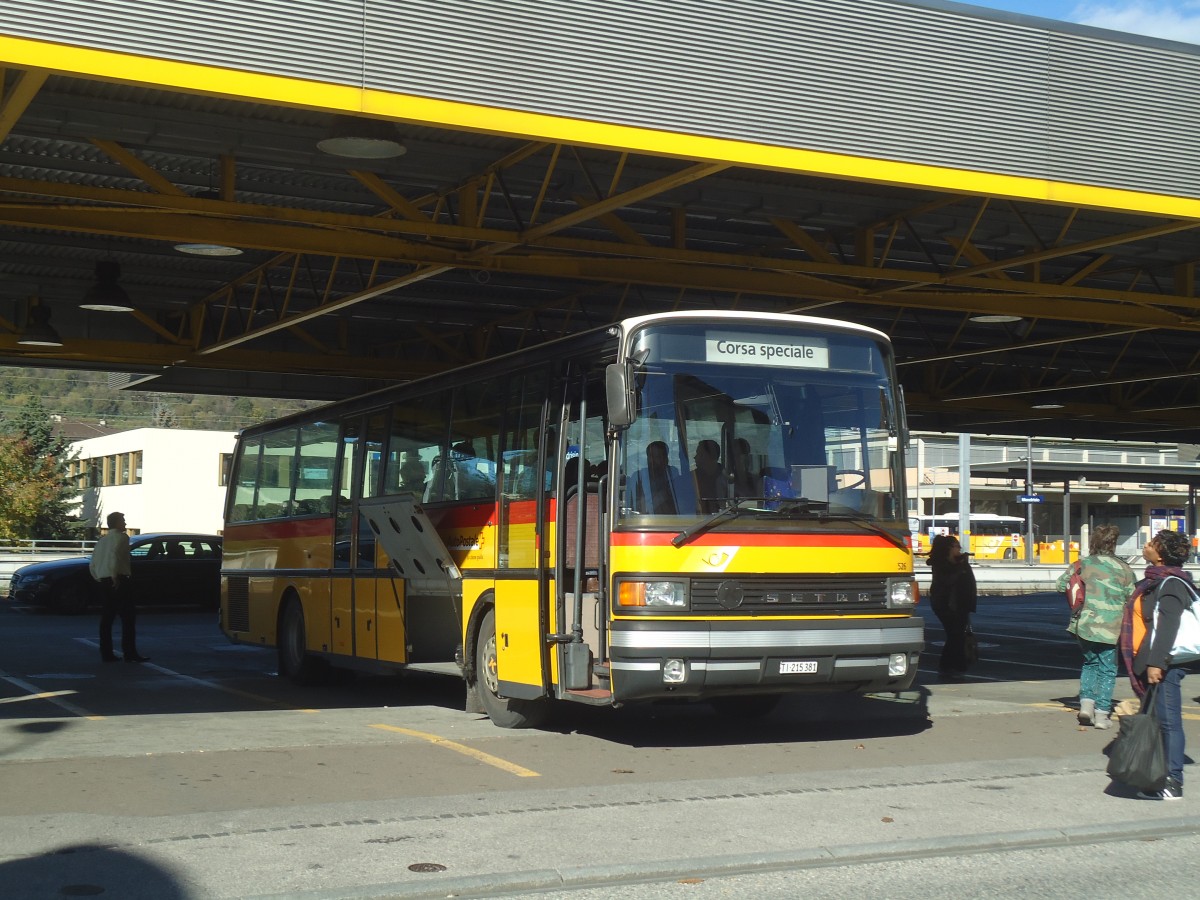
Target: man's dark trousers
[117,602]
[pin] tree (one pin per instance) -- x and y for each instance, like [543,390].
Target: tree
[37,493]
[30,490]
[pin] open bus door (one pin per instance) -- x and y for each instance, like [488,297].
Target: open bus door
[430,584]
[580,545]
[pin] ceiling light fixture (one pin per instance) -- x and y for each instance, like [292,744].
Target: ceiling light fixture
[38,330]
[995,318]
[358,138]
[106,295]
[201,248]
[1049,404]
[208,250]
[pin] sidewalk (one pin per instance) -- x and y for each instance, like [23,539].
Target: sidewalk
[487,843]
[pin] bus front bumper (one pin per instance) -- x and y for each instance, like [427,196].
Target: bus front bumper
[664,659]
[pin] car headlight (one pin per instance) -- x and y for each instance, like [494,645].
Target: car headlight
[655,594]
[901,593]
[27,580]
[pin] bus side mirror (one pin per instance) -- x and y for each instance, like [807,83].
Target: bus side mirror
[618,386]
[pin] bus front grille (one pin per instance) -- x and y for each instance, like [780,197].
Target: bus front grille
[791,595]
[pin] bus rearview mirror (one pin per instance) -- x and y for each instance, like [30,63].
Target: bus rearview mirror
[618,385]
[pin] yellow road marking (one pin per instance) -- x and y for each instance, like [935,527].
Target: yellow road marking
[513,768]
[52,696]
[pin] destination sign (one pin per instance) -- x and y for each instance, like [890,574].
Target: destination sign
[788,351]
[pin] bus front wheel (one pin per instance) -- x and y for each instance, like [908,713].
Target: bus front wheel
[295,662]
[503,711]
[1010,553]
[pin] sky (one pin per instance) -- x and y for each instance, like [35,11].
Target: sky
[1177,20]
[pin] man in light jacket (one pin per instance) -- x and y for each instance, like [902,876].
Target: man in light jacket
[110,567]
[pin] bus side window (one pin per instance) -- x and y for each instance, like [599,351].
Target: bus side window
[469,468]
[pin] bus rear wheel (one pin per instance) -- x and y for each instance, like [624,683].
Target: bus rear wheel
[504,712]
[295,662]
[1010,553]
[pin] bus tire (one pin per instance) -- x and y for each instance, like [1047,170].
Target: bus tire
[1010,553]
[295,662]
[504,712]
[754,706]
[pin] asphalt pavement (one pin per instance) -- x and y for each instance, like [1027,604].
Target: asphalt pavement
[200,775]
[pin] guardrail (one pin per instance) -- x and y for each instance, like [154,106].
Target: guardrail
[22,553]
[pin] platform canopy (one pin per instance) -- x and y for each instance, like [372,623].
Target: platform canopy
[310,199]
[1085,474]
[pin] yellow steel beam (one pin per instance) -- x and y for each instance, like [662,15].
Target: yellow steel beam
[17,100]
[802,239]
[325,309]
[139,169]
[152,358]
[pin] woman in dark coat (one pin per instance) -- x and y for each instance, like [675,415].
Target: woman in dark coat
[1166,591]
[953,596]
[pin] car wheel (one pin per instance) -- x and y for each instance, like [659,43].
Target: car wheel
[72,599]
[295,662]
[503,711]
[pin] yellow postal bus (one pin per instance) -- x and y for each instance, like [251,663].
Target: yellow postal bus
[992,536]
[692,505]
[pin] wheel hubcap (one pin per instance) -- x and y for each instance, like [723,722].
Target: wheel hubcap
[490,678]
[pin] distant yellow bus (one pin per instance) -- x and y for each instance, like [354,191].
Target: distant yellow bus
[537,520]
[992,536]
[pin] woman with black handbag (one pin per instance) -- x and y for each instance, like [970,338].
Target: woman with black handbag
[1164,592]
[953,596]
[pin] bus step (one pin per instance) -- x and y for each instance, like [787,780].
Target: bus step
[593,696]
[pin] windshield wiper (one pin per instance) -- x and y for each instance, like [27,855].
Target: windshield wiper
[734,509]
[869,525]
[730,511]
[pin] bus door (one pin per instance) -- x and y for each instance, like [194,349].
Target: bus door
[345,533]
[373,599]
[522,586]
[354,616]
[581,547]
[422,572]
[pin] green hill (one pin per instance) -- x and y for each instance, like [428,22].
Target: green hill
[87,397]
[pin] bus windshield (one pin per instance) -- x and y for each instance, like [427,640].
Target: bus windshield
[796,425]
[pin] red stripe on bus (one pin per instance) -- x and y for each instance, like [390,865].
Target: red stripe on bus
[475,516]
[522,512]
[283,528]
[742,539]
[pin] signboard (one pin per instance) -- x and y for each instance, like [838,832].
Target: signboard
[1030,498]
[790,351]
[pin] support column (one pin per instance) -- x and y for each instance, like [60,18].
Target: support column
[964,492]
[1067,521]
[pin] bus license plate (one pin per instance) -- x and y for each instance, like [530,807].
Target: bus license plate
[797,667]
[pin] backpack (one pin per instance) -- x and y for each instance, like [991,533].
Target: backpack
[1076,589]
[1186,647]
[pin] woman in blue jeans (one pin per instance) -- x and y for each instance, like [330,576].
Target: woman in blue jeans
[1164,589]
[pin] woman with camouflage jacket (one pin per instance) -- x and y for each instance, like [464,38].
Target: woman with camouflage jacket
[1108,582]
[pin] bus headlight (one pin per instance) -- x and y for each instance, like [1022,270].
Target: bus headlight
[653,594]
[901,593]
[674,671]
[898,664]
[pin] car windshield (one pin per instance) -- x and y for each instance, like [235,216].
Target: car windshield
[784,444]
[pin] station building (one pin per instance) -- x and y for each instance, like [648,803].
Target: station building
[163,479]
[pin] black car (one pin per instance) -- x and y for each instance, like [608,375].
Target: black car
[167,569]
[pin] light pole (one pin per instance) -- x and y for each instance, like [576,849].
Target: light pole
[1029,506]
